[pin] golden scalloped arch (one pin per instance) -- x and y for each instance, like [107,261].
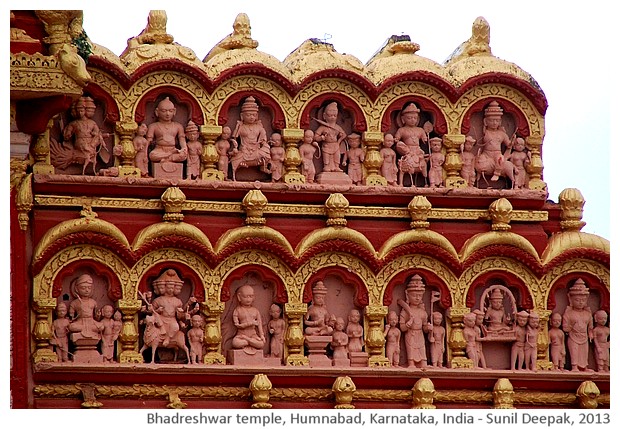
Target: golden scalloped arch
[82,224]
[479,241]
[331,233]
[406,90]
[163,229]
[416,235]
[252,257]
[257,84]
[339,86]
[344,261]
[233,235]
[536,121]
[567,240]
[407,262]
[573,266]
[44,281]
[181,256]
[498,264]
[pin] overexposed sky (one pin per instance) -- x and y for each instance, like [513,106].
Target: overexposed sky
[565,52]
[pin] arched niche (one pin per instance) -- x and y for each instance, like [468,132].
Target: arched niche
[599,298]
[192,283]
[350,116]
[106,284]
[186,105]
[513,119]
[269,111]
[517,287]
[428,112]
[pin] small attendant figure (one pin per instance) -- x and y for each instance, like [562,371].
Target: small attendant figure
[276,329]
[392,336]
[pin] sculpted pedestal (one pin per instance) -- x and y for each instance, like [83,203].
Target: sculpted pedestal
[316,350]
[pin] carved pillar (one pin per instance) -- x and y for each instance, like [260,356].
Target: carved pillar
[210,157]
[24,201]
[375,341]
[42,331]
[213,335]
[292,159]
[535,167]
[456,341]
[542,345]
[294,339]
[453,164]
[373,159]
[126,130]
[41,153]
[128,338]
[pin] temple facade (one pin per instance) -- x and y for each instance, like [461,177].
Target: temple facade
[240,231]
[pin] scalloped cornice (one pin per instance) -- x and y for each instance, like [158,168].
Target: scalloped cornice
[164,229]
[227,60]
[234,235]
[564,241]
[333,233]
[416,235]
[491,238]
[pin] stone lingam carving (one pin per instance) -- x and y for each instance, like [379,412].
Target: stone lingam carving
[168,137]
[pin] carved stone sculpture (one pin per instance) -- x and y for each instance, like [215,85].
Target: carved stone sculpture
[307,151]
[195,338]
[354,157]
[194,150]
[85,328]
[414,322]
[557,344]
[389,169]
[168,137]
[498,319]
[330,134]
[276,329]
[223,145]
[436,338]
[436,160]
[277,152]
[340,341]
[111,330]
[520,158]
[601,341]
[392,336]
[577,323]
[248,321]
[141,146]
[492,161]
[469,333]
[517,352]
[318,318]
[531,341]
[60,332]
[468,161]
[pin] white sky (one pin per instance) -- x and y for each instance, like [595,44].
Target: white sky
[565,52]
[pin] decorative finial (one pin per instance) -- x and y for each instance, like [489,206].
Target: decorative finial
[503,394]
[343,389]
[571,205]
[423,394]
[173,199]
[500,212]
[336,207]
[260,386]
[587,394]
[254,203]
[419,210]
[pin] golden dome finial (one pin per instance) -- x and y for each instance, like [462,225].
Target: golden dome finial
[254,204]
[419,209]
[424,394]
[173,199]
[343,389]
[260,386]
[503,394]
[500,212]
[571,204]
[336,207]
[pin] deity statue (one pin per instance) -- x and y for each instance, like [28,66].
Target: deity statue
[392,336]
[330,134]
[248,321]
[355,158]
[531,341]
[317,319]
[276,327]
[223,146]
[557,345]
[253,149]
[577,323]
[409,134]
[520,158]
[141,145]
[355,331]
[277,153]
[194,150]
[168,137]
[389,169]
[470,335]
[195,338]
[168,306]
[60,332]
[83,310]
[437,338]
[517,352]
[468,161]
[491,160]
[498,321]
[414,322]
[436,160]
[111,330]
[482,362]
[307,151]
[340,341]
[601,341]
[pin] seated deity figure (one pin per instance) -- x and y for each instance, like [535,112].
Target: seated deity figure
[498,322]
[491,160]
[166,135]
[330,134]
[168,305]
[317,319]
[414,322]
[577,323]
[409,134]
[247,319]
[253,149]
[83,311]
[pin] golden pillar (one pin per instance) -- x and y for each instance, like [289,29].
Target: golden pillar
[213,335]
[373,159]
[292,160]
[42,332]
[294,339]
[41,153]
[375,341]
[210,157]
[456,340]
[453,164]
[128,338]
[126,129]
[535,167]
[542,345]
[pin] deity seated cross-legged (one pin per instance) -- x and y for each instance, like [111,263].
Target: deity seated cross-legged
[319,324]
[168,137]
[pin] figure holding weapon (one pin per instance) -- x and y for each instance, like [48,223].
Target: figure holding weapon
[331,135]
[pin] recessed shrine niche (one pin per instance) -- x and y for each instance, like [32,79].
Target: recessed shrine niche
[435,300]
[170,294]
[497,300]
[253,298]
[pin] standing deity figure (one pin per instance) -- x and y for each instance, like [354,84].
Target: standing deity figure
[520,159]
[249,323]
[194,150]
[168,137]
[414,322]
[531,341]
[479,330]
[468,161]
[557,344]
[330,134]
[354,157]
[83,310]
[195,338]
[470,334]
[253,149]
[491,160]
[436,160]
[168,306]
[577,323]
[111,331]
[517,352]
[436,338]
[389,169]
[277,154]
[276,327]
[223,146]
[392,336]
[141,146]
[60,332]
[340,340]
[318,318]
[601,341]
[307,150]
